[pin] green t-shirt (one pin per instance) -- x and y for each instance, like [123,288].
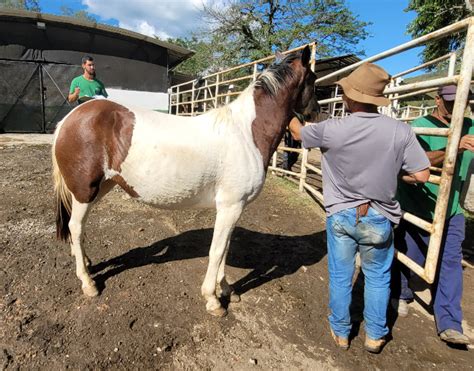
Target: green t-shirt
[88,88]
[420,199]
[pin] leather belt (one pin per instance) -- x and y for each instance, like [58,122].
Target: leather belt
[362,211]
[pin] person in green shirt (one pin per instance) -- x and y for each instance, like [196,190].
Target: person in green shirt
[86,86]
[420,200]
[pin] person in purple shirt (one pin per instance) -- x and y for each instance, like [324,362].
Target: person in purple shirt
[362,157]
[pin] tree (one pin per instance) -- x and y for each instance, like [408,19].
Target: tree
[32,5]
[82,15]
[247,30]
[201,62]
[436,14]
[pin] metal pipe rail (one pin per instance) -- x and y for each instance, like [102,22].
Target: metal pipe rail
[424,65]
[434,83]
[445,31]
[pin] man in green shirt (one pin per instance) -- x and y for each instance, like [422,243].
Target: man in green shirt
[86,86]
[420,199]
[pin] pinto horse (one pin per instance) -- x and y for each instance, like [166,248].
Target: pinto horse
[216,160]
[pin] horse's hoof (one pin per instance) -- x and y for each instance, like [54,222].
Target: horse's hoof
[90,291]
[218,312]
[87,261]
[234,298]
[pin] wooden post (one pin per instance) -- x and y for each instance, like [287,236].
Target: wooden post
[177,101]
[303,172]
[192,98]
[216,97]
[274,160]
[205,96]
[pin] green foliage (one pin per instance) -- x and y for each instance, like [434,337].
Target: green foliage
[250,30]
[433,15]
[247,30]
[199,62]
[82,15]
[32,5]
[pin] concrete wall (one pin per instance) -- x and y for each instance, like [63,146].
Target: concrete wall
[143,99]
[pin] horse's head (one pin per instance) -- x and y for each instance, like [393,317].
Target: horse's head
[306,100]
[286,87]
[293,72]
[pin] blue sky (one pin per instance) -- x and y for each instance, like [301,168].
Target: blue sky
[388,29]
[170,18]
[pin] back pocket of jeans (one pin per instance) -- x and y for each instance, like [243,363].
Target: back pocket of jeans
[376,233]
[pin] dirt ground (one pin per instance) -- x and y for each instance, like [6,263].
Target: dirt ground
[149,265]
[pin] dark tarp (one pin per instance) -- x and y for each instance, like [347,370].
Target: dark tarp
[33,95]
[114,72]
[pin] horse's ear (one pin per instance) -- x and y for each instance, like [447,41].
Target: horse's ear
[279,57]
[306,56]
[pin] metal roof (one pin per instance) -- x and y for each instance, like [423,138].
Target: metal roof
[326,66]
[45,31]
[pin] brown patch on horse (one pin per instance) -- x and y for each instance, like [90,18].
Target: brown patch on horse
[127,188]
[268,121]
[96,134]
[273,114]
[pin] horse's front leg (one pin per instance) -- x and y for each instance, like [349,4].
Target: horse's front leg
[227,291]
[225,222]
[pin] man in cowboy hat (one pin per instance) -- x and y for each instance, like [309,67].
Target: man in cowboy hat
[421,201]
[363,154]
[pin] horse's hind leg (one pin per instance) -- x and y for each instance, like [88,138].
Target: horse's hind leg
[105,187]
[225,223]
[76,227]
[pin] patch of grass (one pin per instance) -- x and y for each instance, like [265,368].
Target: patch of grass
[293,197]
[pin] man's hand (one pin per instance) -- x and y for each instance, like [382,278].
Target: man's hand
[295,128]
[418,177]
[467,143]
[74,96]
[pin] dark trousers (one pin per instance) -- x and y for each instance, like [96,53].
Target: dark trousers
[290,158]
[447,288]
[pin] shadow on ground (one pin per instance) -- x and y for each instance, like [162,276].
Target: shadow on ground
[268,256]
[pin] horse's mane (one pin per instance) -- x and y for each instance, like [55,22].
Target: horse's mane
[275,76]
[271,81]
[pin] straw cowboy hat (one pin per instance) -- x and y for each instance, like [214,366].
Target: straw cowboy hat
[366,84]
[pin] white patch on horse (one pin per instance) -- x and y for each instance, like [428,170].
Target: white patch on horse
[181,162]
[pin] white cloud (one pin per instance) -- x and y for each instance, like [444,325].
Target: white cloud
[164,19]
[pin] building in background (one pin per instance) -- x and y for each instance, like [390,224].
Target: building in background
[40,54]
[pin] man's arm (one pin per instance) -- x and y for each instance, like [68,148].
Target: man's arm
[295,128]
[104,92]
[74,95]
[415,166]
[465,144]
[418,177]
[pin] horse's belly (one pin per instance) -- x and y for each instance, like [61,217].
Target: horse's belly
[174,196]
[177,186]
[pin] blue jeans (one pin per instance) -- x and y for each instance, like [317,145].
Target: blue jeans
[373,237]
[447,288]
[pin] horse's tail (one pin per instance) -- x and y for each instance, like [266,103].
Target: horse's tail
[63,201]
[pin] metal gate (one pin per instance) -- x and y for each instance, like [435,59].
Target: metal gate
[33,95]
